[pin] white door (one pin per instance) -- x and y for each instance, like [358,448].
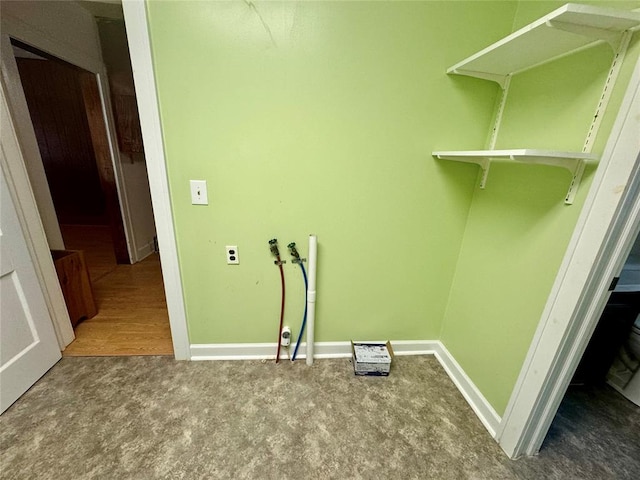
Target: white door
[28,344]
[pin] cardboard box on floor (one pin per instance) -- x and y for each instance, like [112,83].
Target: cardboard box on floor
[371,358]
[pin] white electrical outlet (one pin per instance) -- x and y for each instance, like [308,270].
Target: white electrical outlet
[285,336]
[232,255]
[198,192]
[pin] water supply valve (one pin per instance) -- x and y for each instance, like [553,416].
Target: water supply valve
[273,246]
[294,253]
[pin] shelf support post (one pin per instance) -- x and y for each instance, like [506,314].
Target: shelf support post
[499,111]
[484,163]
[609,83]
[575,182]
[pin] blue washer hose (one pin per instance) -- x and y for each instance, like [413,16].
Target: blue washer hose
[304,318]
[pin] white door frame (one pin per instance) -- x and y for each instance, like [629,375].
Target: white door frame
[135,16]
[603,237]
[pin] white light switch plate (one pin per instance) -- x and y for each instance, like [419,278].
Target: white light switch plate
[199,192]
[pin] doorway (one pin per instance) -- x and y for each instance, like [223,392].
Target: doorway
[601,407]
[604,234]
[58,95]
[66,112]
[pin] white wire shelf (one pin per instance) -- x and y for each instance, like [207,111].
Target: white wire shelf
[561,32]
[572,161]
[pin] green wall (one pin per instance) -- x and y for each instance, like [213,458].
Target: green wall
[320,117]
[518,227]
[321,120]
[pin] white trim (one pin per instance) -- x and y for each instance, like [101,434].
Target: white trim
[266,351]
[414,347]
[600,243]
[135,16]
[482,408]
[144,251]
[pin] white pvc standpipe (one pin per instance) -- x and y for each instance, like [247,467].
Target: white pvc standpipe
[311,296]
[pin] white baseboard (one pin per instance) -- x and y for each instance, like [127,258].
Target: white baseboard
[482,408]
[263,351]
[266,351]
[414,347]
[144,251]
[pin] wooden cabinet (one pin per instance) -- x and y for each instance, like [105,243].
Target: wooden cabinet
[75,283]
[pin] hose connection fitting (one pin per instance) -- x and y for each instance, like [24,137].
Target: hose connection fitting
[294,253]
[273,246]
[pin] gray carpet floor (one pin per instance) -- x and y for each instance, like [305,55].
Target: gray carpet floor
[153,417]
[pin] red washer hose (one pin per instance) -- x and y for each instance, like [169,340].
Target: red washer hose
[281,310]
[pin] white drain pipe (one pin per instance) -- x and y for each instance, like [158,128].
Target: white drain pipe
[311,296]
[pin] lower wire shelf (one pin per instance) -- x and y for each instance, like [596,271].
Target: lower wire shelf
[572,161]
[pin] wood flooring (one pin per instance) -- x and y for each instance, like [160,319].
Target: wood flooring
[132,314]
